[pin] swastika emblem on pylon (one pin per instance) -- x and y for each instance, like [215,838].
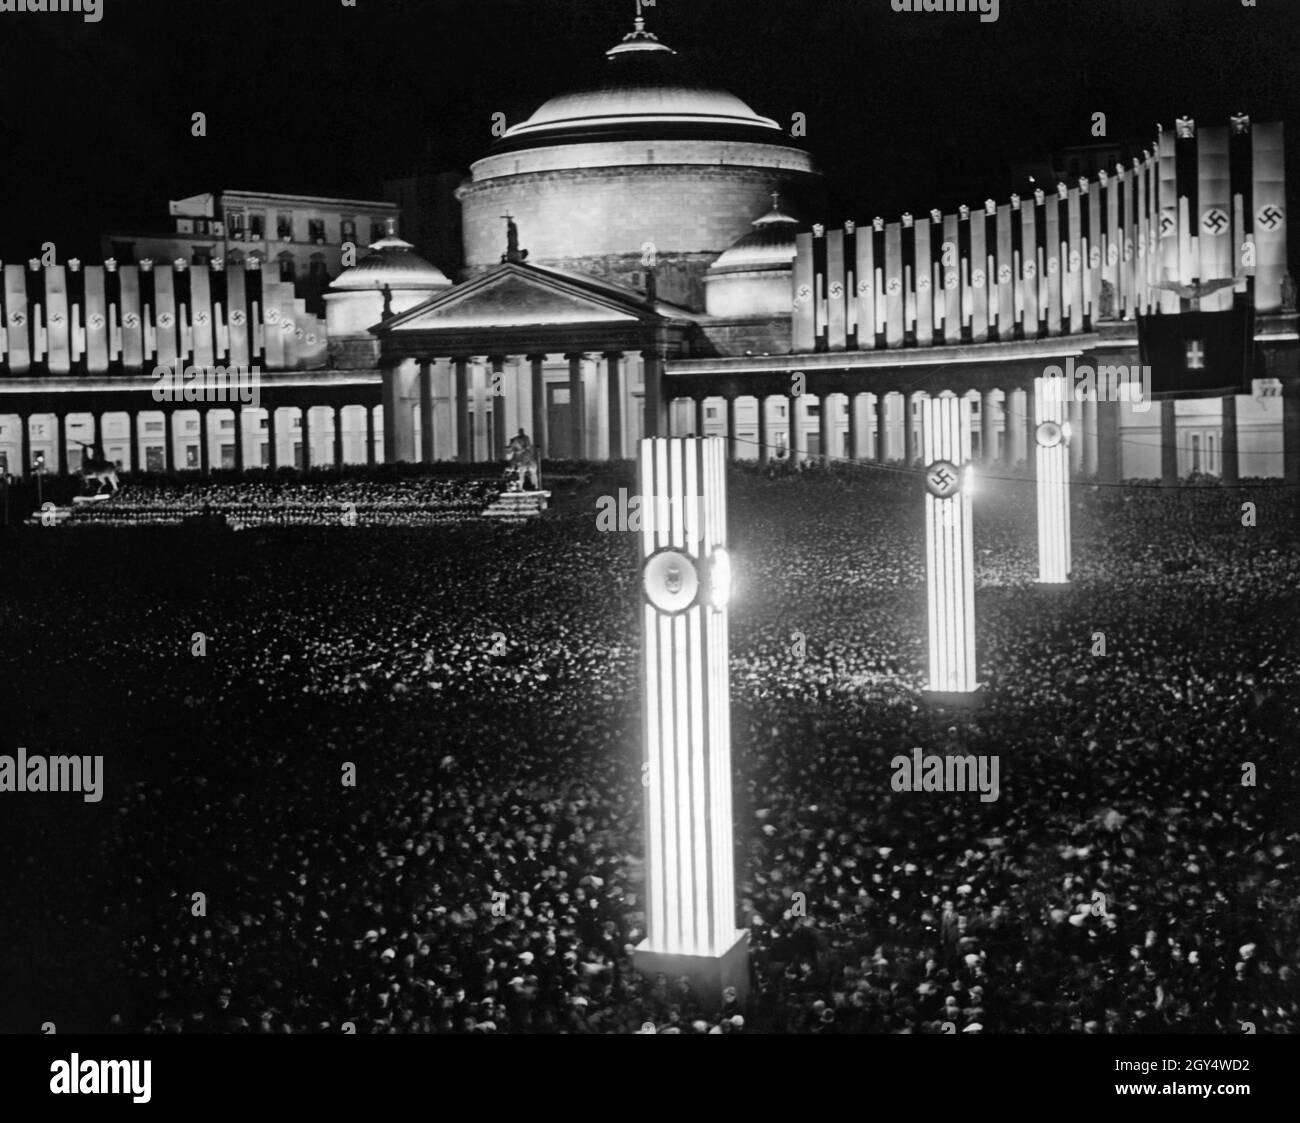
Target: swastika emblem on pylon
[943,479]
[1215,222]
[1270,217]
[1167,224]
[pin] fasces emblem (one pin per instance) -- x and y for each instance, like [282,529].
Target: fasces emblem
[1049,434]
[671,581]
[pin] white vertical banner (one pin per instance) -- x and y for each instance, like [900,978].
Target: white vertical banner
[950,553]
[1053,436]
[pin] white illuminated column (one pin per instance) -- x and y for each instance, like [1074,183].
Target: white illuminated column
[1053,438]
[686,577]
[949,551]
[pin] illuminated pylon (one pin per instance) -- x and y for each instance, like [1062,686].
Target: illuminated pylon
[1053,439]
[949,551]
[686,583]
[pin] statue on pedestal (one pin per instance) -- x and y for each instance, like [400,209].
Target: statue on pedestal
[525,463]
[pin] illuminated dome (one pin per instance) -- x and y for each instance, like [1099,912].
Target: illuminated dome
[392,262]
[752,278]
[644,95]
[770,245]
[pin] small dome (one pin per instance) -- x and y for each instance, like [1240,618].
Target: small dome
[392,262]
[643,95]
[770,245]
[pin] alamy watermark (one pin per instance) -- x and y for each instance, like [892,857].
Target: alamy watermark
[37,773]
[988,9]
[1102,383]
[932,772]
[91,11]
[175,383]
[625,513]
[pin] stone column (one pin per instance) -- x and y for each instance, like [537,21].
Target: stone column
[656,405]
[1031,435]
[169,439]
[731,427]
[855,434]
[60,421]
[1169,442]
[464,435]
[577,406]
[1291,432]
[699,416]
[370,435]
[881,410]
[272,441]
[205,454]
[988,432]
[764,440]
[426,411]
[95,428]
[133,439]
[24,421]
[826,428]
[795,430]
[541,438]
[1231,459]
[392,396]
[614,372]
[338,436]
[1110,466]
[909,432]
[305,412]
[499,436]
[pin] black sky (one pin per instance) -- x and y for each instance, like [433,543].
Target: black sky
[905,111]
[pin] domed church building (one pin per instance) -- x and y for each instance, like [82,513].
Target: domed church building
[642,166]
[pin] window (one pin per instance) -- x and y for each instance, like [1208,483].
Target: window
[814,408]
[284,226]
[153,458]
[256,225]
[1196,452]
[317,269]
[348,230]
[316,230]
[153,426]
[191,456]
[235,225]
[288,269]
[191,426]
[711,412]
[262,423]
[200,255]
[227,422]
[780,410]
[1196,354]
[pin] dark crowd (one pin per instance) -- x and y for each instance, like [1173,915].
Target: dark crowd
[484,872]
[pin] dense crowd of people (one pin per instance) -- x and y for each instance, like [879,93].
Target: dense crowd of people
[281,501]
[404,774]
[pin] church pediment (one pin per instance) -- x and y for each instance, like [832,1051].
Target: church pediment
[521,296]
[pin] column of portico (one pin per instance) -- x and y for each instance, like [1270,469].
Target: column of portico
[764,437]
[614,395]
[731,427]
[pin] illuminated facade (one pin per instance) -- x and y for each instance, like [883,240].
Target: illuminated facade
[1053,438]
[686,575]
[949,550]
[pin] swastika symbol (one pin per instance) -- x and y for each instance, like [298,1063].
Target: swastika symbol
[1167,224]
[804,292]
[130,320]
[57,318]
[1031,270]
[977,278]
[1004,274]
[923,284]
[863,288]
[1112,254]
[1094,257]
[17,319]
[1214,222]
[942,479]
[837,290]
[273,315]
[1053,266]
[895,286]
[96,321]
[166,319]
[237,317]
[1270,217]
[200,319]
[950,280]
[1075,261]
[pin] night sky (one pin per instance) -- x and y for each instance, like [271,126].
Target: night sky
[905,111]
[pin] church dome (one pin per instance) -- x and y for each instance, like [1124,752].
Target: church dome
[771,244]
[394,263]
[643,95]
